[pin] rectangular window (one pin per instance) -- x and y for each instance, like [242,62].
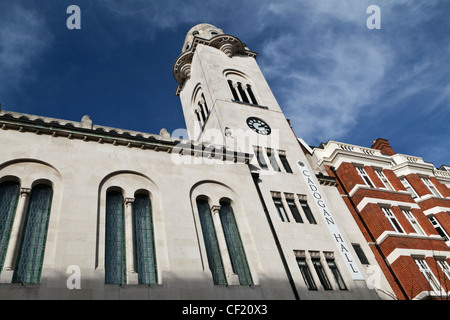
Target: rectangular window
[281,211]
[260,158]
[285,163]
[294,210]
[363,174]
[360,253]
[306,273]
[321,273]
[431,187]
[438,228]
[445,267]
[428,274]
[384,180]
[337,275]
[273,160]
[307,212]
[409,188]
[408,214]
[392,220]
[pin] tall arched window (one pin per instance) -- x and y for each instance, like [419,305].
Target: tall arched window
[211,243]
[144,240]
[115,263]
[234,244]
[241,87]
[200,106]
[9,197]
[31,253]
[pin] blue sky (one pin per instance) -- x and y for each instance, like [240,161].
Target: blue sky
[333,77]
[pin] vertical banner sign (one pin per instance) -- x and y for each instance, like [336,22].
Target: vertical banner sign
[330,222]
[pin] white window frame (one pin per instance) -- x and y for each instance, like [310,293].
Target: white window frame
[429,275]
[392,220]
[436,225]
[445,267]
[413,221]
[431,187]
[363,174]
[384,180]
[409,188]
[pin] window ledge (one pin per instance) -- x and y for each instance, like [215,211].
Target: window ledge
[250,104]
[387,234]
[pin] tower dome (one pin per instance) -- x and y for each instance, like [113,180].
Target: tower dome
[202,30]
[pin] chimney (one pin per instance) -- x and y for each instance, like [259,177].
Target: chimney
[384,146]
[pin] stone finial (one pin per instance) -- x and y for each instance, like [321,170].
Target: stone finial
[86,122]
[164,133]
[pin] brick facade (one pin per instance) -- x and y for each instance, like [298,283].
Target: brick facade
[396,251]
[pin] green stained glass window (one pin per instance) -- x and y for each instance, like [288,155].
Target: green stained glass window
[234,244]
[144,240]
[32,247]
[115,263]
[9,197]
[211,244]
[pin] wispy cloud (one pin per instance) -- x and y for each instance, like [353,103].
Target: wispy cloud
[328,68]
[23,38]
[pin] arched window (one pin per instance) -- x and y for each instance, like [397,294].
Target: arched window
[200,106]
[144,240]
[211,243]
[9,197]
[241,88]
[31,253]
[234,244]
[115,263]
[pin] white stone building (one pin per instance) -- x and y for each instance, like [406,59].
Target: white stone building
[239,211]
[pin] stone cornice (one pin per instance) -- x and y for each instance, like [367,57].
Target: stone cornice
[104,135]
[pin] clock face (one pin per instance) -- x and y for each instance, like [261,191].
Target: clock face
[258,126]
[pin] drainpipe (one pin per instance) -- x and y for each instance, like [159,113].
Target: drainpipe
[255,177]
[372,238]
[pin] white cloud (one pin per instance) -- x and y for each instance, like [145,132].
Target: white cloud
[327,68]
[327,77]
[23,38]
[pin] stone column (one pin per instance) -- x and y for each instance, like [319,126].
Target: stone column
[245,88]
[236,88]
[14,239]
[232,278]
[132,276]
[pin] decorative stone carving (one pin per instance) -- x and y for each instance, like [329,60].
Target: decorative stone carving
[185,71]
[215,209]
[275,194]
[300,253]
[289,196]
[228,49]
[25,192]
[314,254]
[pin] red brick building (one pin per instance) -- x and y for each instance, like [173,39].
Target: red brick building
[402,205]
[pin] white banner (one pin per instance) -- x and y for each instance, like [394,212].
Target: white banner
[330,222]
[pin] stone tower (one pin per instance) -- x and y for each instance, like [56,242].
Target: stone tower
[227,100]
